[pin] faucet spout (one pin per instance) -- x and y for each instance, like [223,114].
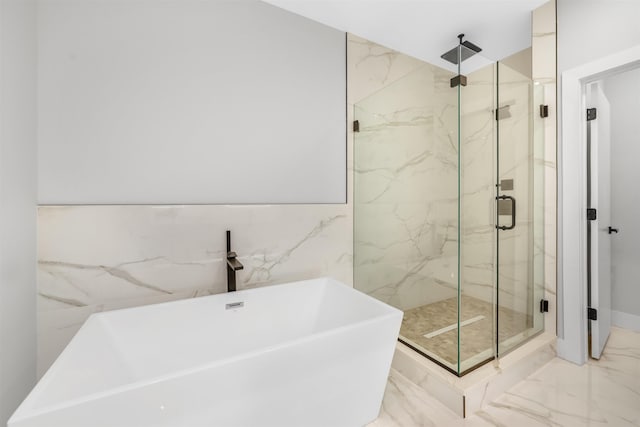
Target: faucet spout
[232,261]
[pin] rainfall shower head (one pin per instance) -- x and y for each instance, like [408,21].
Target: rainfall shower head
[466,49]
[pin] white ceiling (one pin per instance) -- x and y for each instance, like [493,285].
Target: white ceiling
[428,28]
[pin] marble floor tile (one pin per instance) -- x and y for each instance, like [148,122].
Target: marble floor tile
[603,392]
[406,404]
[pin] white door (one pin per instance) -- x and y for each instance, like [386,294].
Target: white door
[600,236]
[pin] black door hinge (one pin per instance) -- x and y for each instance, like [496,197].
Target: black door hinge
[458,80]
[591,114]
[544,111]
[544,306]
[592,314]
[592,214]
[356,126]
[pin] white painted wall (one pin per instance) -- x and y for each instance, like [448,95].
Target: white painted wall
[17,202]
[623,92]
[587,31]
[189,101]
[591,29]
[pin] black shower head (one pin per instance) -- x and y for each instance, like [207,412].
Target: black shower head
[466,48]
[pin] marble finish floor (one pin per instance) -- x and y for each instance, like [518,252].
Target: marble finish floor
[476,338]
[603,392]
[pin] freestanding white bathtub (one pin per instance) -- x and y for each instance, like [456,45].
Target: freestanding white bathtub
[309,353]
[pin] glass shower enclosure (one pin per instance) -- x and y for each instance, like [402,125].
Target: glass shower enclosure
[448,206]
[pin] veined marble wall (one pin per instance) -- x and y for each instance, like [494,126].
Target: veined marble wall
[95,258]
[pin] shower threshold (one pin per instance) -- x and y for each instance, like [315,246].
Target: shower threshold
[478,386]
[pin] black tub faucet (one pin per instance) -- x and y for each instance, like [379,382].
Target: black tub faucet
[233,265]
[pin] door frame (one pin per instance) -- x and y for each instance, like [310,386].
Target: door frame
[572,247]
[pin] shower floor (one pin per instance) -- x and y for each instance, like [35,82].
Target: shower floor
[439,320]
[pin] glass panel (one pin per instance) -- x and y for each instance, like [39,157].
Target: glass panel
[518,272]
[405,207]
[477,178]
[538,205]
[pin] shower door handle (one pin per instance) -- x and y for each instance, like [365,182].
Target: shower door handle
[513,213]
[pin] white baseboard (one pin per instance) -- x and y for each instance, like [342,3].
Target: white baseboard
[625,320]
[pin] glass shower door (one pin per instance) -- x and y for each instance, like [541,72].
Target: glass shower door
[477,224]
[406,207]
[519,204]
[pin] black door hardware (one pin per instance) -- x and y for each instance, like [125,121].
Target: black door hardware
[544,306]
[513,213]
[544,111]
[613,230]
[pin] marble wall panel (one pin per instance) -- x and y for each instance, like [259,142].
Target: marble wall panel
[95,258]
[372,67]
